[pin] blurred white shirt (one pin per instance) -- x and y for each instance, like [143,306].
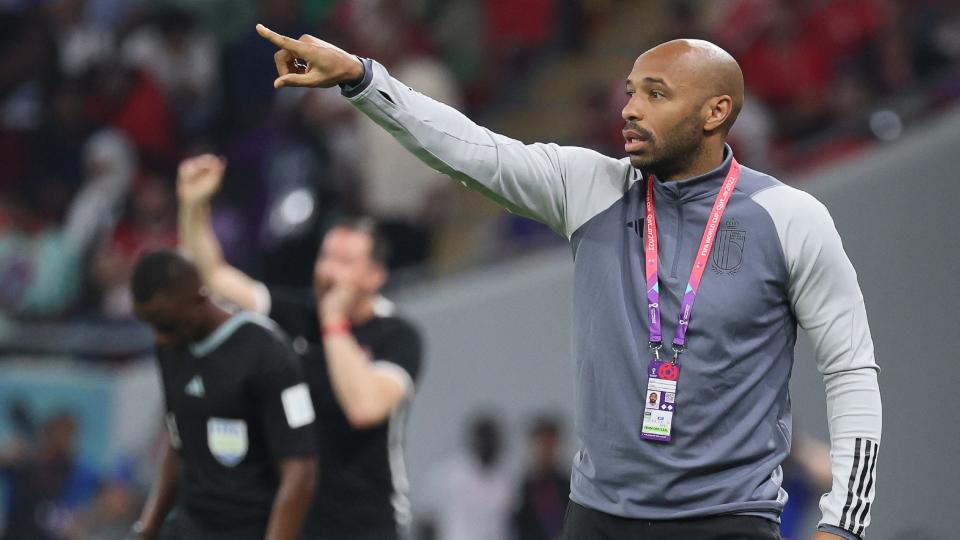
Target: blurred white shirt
[471,503]
[397,184]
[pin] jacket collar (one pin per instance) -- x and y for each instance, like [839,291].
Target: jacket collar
[699,186]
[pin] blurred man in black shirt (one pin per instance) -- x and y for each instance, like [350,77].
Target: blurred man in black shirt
[361,361]
[546,487]
[241,460]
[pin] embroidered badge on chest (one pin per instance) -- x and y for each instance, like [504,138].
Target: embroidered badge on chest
[227,440]
[728,253]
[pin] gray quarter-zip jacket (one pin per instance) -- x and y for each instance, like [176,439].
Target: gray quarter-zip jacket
[777,262]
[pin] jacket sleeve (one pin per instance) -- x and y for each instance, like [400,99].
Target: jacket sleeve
[826,300]
[560,186]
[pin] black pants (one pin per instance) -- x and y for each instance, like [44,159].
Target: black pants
[584,524]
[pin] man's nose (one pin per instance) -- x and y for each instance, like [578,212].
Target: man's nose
[631,111]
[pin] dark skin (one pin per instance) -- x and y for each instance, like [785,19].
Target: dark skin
[182,315]
[684,97]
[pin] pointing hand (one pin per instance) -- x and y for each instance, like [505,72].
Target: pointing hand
[310,61]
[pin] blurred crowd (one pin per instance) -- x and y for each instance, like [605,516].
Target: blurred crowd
[51,494]
[99,100]
[823,77]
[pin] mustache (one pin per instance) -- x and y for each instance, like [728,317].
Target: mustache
[644,134]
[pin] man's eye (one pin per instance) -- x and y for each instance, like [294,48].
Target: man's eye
[630,93]
[656,94]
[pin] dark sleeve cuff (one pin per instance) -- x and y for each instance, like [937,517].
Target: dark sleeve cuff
[843,533]
[353,89]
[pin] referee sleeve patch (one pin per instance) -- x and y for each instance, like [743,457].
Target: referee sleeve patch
[297,405]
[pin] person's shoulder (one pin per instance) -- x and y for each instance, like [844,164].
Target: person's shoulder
[753,181]
[780,200]
[396,325]
[260,330]
[166,355]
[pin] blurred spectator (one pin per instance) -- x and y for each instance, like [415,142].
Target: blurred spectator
[28,66]
[183,61]
[806,475]
[751,136]
[518,32]
[179,77]
[546,488]
[82,44]
[57,146]
[406,196]
[518,28]
[150,225]
[41,263]
[945,37]
[473,495]
[457,29]
[403,194]
[842,28]
[249,69]
[113,512]
[790,72]
[49,486]
[131,101]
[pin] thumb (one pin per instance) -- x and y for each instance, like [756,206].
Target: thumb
[293,80]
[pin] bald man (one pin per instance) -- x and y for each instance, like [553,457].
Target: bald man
[679,240]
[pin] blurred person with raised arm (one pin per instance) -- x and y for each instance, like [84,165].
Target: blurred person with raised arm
[360,359]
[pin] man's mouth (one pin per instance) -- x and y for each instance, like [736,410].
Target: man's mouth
[635,141]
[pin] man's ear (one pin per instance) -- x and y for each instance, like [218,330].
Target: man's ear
[717,111]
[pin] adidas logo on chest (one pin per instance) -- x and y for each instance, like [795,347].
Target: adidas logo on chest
[195,387]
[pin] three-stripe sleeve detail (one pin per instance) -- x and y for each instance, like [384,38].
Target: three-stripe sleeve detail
[860,486]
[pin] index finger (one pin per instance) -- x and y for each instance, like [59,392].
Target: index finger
[297,47]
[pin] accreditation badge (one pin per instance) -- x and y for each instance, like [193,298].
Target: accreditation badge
[227,440]
[660,400]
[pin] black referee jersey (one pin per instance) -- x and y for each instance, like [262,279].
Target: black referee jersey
[362,488]
[236,405]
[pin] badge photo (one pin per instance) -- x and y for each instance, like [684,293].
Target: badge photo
[227,440]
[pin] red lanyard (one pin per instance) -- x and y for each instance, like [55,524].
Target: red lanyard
[651,253]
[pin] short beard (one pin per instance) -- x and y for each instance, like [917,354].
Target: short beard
[681,148]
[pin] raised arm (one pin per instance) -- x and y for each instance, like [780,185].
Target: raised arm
[198,179]
[828,304]
[562,187]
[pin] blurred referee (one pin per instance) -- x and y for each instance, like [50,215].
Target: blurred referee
[360,360]
[241,460]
